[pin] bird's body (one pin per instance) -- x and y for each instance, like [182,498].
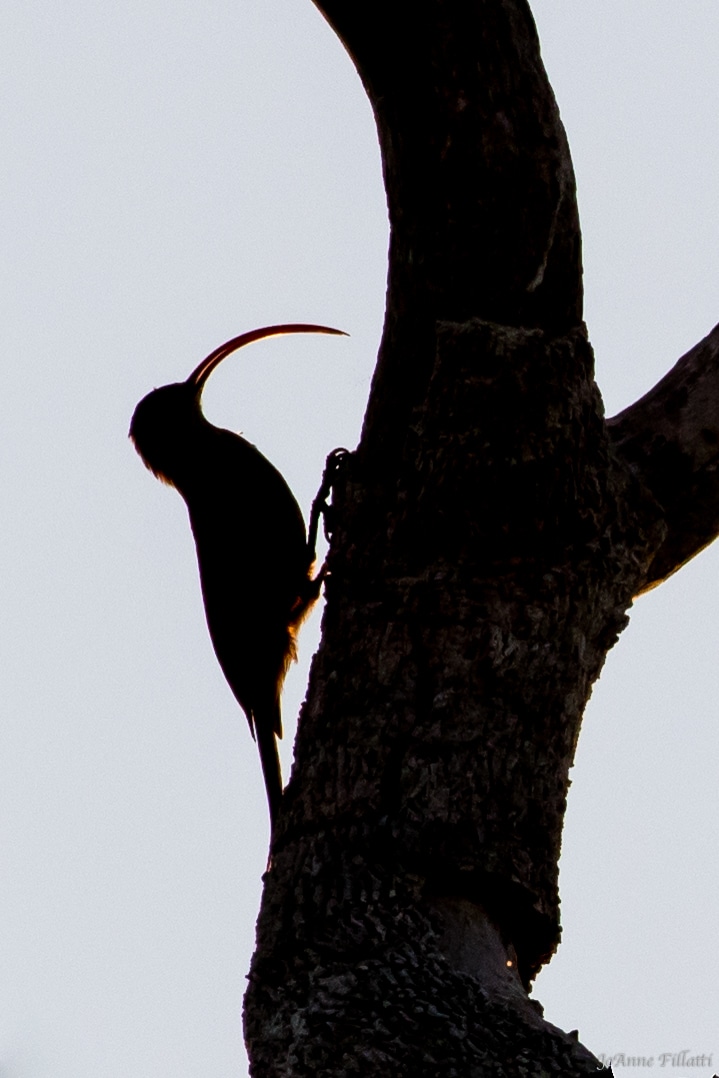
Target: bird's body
[255,573]
[254,560]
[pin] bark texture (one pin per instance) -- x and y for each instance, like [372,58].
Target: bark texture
[491,531]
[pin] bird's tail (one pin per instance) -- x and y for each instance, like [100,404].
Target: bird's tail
[265,727]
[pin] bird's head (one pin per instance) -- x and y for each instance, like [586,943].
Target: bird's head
[162,425]
[167,421]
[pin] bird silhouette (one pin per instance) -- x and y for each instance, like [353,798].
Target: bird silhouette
[253,553]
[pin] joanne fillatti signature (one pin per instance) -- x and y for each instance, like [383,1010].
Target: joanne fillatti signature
[685,1058]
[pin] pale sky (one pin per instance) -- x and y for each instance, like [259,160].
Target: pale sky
[174,175]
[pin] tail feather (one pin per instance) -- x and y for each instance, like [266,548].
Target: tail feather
[266,723]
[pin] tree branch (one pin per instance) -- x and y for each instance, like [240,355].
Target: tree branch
[479,180]
[670,440]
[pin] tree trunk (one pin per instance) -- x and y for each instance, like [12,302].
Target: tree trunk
[491,531]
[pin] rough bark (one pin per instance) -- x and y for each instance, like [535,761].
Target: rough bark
[491,531]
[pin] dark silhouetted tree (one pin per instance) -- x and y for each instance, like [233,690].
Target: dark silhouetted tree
[491,531]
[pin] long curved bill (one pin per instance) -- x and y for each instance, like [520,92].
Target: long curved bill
[201,373]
